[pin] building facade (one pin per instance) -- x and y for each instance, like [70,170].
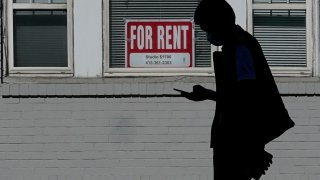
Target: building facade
[87,88]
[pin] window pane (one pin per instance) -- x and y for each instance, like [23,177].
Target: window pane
[59,1]
[40,39]
[21,1]
[41,1]
[50,1]
[297,1]
[261,1]
[282,35]
[279,1]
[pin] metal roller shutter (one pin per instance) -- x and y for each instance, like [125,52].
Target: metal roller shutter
[152,9]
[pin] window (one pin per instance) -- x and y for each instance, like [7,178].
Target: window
[121,18]
[40,36]
[284,29]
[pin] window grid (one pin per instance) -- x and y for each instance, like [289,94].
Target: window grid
[295,18]
[42,8]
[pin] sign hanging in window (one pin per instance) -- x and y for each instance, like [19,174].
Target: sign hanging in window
[159,44]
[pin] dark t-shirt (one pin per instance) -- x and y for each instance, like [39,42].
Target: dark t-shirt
[244,63]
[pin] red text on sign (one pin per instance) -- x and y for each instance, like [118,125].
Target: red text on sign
[167,37]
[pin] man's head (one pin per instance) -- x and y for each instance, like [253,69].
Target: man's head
[217,18]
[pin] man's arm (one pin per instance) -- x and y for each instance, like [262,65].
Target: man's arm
[241,98]
[199,93]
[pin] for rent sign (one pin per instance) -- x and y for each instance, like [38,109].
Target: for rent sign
[159,43]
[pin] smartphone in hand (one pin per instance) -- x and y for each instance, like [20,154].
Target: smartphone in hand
[181,91]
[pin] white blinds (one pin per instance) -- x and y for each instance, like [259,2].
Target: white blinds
[279,1]
[152,9]
[40,39]
[282,35]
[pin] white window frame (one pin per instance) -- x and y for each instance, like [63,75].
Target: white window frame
[311,51]
[108,71]
[60,71]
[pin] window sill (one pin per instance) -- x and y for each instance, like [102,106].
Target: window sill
[132,86]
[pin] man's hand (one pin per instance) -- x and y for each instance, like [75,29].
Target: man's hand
[259,164]
[199,93]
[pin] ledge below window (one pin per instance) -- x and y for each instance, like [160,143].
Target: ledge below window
[133,87]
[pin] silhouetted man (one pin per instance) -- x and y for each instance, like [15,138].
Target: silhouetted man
[249,110]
